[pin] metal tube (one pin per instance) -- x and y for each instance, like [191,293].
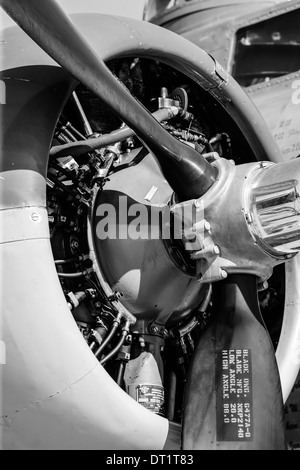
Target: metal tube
[117,348]
[63,139]
[66,261]
[74,131]
[71,275]
[85,121]
[85,146]
[109,337]
[171,401]
[68,134]
[121,372]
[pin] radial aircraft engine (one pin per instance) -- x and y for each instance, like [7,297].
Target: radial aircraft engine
[145,208]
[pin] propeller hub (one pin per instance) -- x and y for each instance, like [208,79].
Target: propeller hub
[254,215]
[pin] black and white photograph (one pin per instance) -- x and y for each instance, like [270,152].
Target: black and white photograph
[150,227]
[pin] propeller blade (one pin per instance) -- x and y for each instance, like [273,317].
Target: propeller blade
[233,397]
[188,173]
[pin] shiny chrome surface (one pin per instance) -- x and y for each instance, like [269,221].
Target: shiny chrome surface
[273,211]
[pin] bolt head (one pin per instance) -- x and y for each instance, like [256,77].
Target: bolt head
[217,250]
[224,274]
[35,217]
